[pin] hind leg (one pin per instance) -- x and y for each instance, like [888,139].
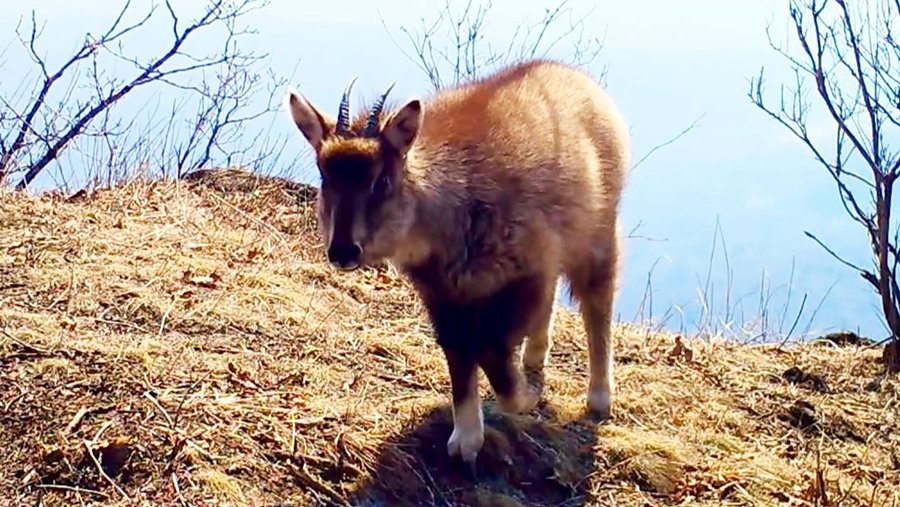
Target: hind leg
[514,395]
[540,339]
[505,319]
[593,285]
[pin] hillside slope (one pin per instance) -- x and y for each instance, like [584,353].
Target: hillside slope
[181,344]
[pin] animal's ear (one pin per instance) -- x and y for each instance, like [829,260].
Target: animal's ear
[314,124]
[403,126]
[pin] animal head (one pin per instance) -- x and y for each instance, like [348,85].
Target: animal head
[365,209]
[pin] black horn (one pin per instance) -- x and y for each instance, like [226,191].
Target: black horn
[372,123]
[343,119]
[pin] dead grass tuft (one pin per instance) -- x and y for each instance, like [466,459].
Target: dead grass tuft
[181,344]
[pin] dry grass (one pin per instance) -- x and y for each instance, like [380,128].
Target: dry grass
[166,344]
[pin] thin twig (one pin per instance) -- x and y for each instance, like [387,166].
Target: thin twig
[75,489]
[662,145]
[107,478]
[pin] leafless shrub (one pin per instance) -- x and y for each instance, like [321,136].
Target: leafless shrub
[451,47]
[78,107]
[850,52]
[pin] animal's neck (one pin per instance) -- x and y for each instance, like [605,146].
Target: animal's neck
[433,209]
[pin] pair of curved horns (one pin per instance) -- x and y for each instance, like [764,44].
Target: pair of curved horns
[343,120]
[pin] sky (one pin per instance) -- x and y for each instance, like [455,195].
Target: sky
[668,64]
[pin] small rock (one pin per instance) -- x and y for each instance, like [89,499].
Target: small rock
[796,376]
[54,456]
[681,351]
[802,414]
[845,338]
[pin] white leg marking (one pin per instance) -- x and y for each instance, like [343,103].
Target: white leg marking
[468,429]
[600,401]
[602,384]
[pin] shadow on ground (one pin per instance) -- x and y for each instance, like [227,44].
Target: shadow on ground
[534,459]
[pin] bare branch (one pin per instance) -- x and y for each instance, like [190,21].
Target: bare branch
[658,147]
[55,135]
[832,253]
[855,62]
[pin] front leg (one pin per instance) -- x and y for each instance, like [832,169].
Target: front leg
[468,421]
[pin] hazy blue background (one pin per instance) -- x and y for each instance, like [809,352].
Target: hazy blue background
[668,64]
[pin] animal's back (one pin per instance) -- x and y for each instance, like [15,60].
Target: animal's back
[542,143]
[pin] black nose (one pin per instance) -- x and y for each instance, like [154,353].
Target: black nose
[344,256]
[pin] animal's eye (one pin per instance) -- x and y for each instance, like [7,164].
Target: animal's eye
[382,185]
